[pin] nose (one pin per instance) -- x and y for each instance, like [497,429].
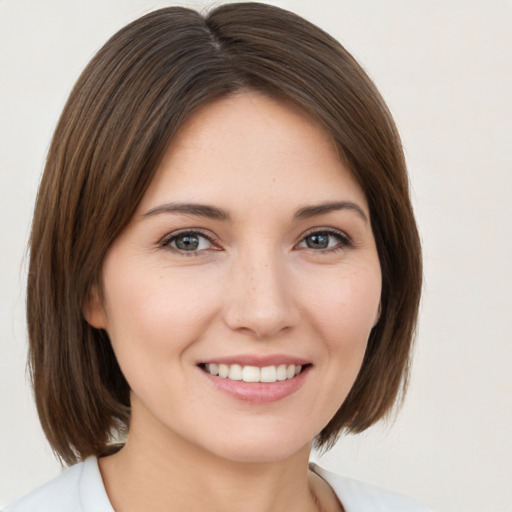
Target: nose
[260,300]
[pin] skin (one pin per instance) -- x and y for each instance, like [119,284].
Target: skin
[255,285]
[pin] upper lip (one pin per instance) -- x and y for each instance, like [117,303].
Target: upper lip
[258,360]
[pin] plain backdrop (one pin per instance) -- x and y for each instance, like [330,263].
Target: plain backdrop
[445,69]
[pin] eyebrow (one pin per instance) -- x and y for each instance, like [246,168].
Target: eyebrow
[321,209]
[213,212]
[199,210]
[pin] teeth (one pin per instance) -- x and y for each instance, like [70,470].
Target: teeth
[254,373]
[268,374]
[281,372]
[235,372]
[223,370]
[251,374]
[213,368]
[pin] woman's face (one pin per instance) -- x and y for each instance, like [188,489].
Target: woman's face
[250,255]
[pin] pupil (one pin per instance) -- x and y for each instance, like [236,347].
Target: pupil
[319,241]
[187,242]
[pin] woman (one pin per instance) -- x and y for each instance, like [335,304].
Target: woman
[224,269]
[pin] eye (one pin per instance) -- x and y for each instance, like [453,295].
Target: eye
[188,241]
[325,240]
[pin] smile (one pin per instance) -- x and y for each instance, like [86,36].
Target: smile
[254,379]
[249,373]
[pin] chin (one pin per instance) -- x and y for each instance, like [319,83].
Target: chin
[260,447]
[263,454]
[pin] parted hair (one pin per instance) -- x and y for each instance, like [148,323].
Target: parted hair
[123,112]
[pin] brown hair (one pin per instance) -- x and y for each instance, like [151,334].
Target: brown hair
[120,117]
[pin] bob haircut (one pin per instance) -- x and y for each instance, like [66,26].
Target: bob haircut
[123,112]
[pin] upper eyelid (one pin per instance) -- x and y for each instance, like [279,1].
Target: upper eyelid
[344,241]
[199,231]
[323,229]
[330,231]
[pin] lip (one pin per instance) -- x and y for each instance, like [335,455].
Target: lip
[258,360]
[258,392]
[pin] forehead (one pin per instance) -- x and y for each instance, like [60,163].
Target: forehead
[249,147]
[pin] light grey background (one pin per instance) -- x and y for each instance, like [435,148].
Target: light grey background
[445,68]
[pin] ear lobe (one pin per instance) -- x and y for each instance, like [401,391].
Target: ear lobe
[93,310]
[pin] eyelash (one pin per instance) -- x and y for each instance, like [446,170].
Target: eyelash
[344,241]
[165,243]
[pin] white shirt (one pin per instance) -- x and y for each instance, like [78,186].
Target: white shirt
[80,489]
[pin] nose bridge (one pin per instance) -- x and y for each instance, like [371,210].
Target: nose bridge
[260,298]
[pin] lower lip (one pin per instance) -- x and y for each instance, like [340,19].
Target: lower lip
[258,392]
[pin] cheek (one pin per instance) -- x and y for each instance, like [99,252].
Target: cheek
[345,307]
[341,315]
[151,315]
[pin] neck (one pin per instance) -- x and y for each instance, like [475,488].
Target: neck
[163,472]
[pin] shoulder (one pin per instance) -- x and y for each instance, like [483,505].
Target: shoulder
[358,496]
[77,489]
[61,493]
